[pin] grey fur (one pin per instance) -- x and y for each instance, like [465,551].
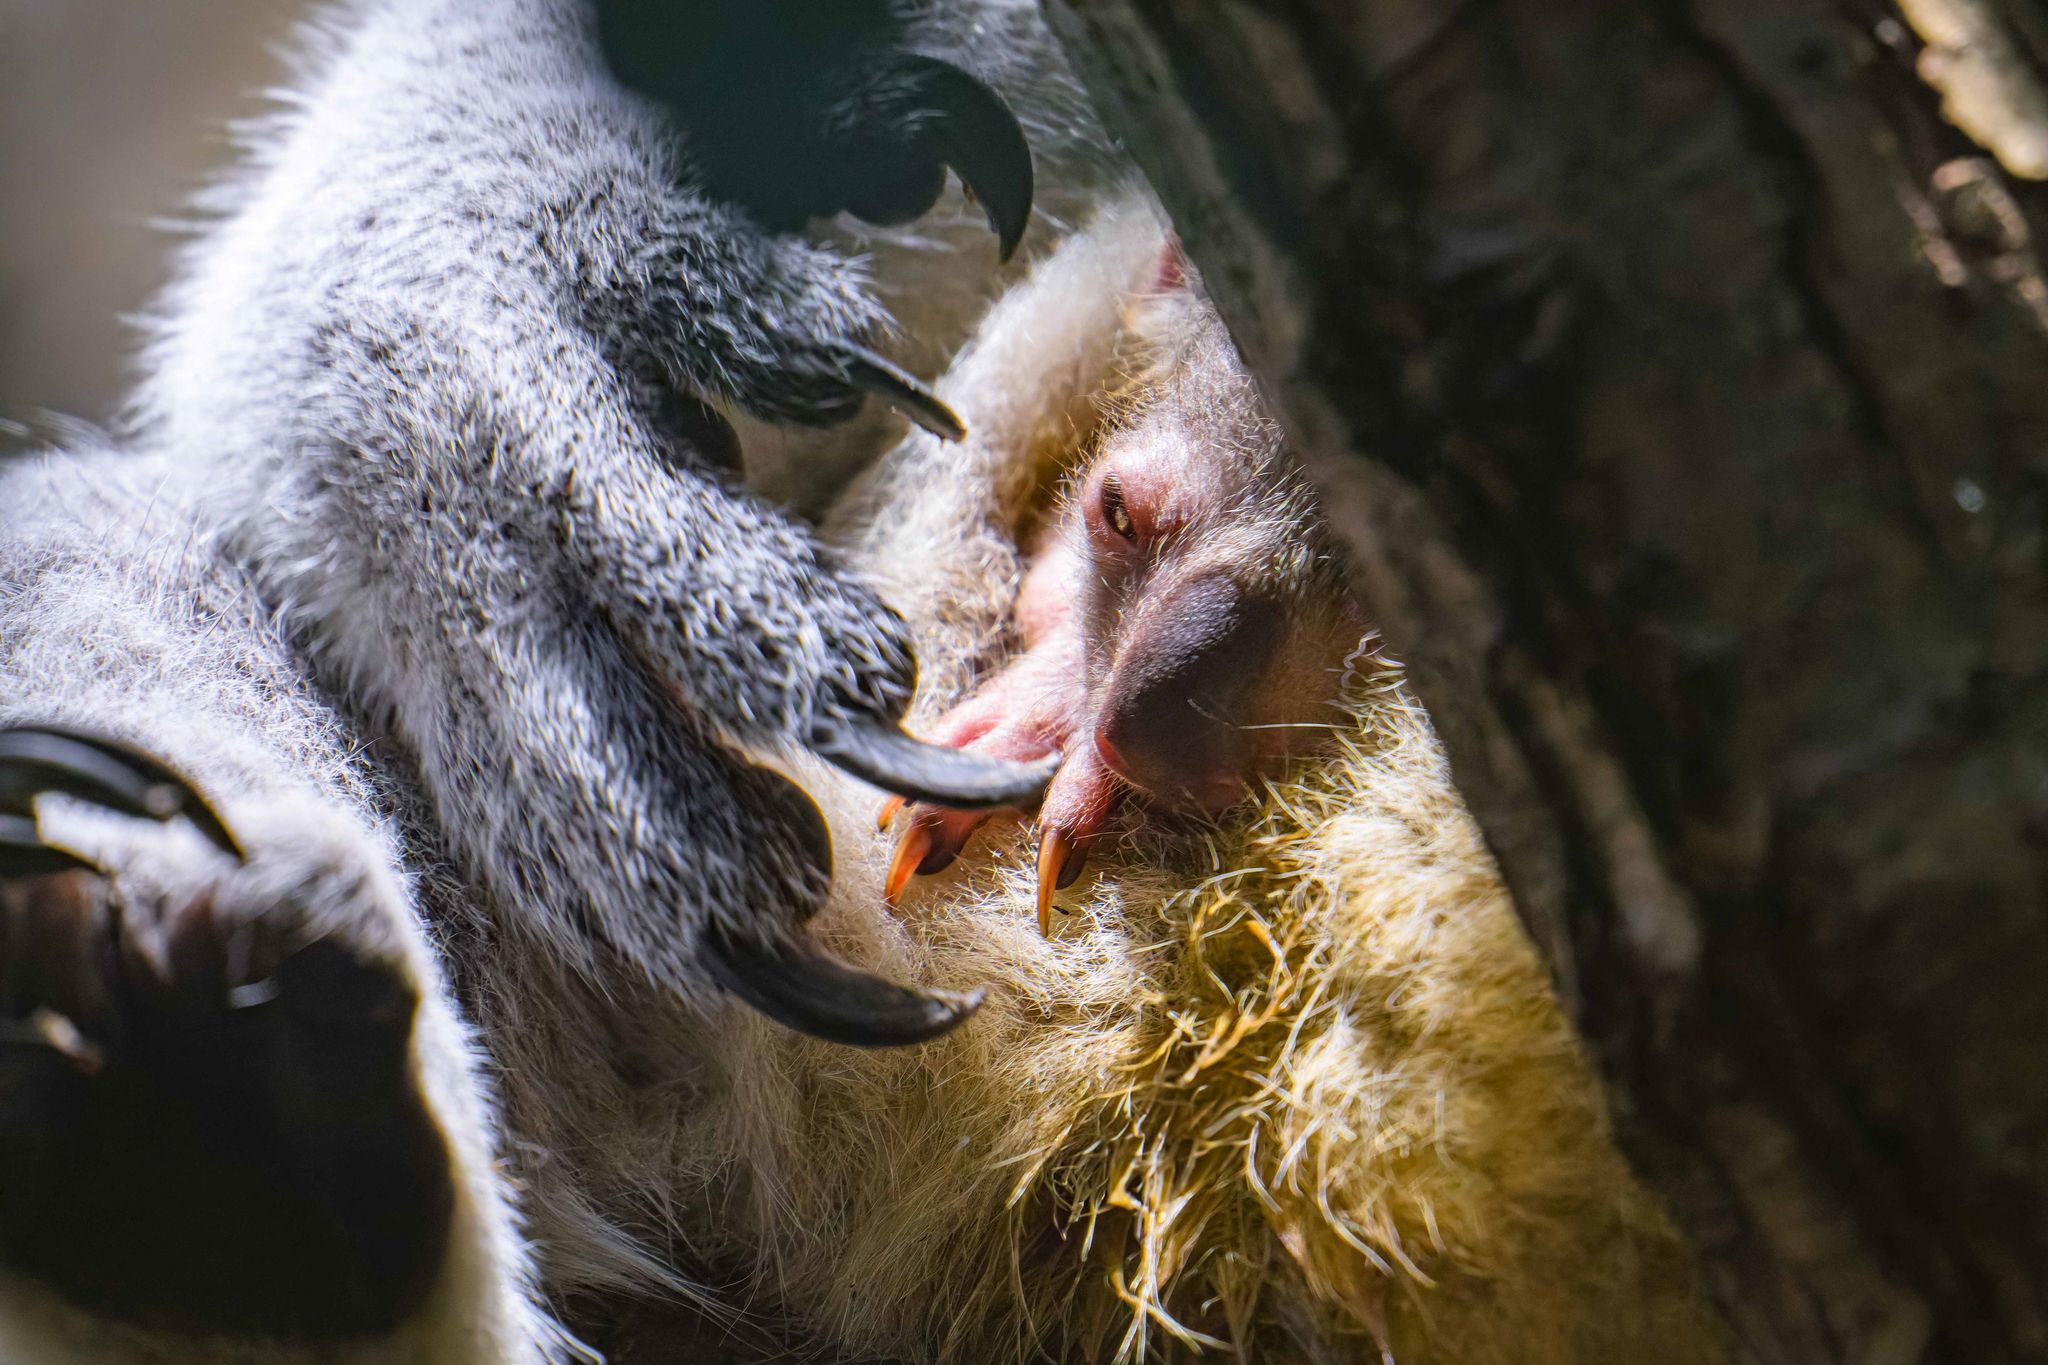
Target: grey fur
[397,537]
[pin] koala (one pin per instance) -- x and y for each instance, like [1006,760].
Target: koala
[431,787]
[1183,627]
[414,635]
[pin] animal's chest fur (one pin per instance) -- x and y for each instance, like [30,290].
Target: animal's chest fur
[1298,1091]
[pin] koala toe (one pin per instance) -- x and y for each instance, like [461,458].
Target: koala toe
[766,960]
[48,760]
[898,124]
[856,721]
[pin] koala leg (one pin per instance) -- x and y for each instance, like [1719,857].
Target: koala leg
[234,1106]
[585,674]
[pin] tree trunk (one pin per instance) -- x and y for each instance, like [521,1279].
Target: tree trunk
[1679,375]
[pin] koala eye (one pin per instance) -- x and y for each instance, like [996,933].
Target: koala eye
[1126,513]
[1116,514]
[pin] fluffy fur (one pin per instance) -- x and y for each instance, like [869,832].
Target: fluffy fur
[396,523]
[118,618]
[1297,1093]
[401,477]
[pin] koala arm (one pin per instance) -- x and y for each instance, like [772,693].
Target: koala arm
[434,382]
[233,1090]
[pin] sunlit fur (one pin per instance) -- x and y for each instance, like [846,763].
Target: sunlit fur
[1298,1091]
[1307,1097]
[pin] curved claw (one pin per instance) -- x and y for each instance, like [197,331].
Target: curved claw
[1061,858]
[977,135]
[53,758]
[891,808]
[910,854]
[883,756]
[896,387]
[814,993]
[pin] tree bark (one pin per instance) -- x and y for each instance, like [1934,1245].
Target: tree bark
[1678,373]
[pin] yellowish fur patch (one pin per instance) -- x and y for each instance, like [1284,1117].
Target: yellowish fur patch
[1295,1092]
[1312,1104]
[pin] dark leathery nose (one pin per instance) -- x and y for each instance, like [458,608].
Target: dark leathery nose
[1173,718]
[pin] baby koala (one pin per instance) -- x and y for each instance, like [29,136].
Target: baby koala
[1185,620]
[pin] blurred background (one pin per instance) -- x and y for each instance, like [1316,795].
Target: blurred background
[111,113]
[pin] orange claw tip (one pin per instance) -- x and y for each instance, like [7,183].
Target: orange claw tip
[890,810]
[1055,850]
[911,851]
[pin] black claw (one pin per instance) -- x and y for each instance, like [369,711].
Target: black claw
[807,990]
[894,386]
[800,110]
[39,759]
[883,756]
[24,854]
[976,134]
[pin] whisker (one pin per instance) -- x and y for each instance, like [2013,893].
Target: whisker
[1293,725]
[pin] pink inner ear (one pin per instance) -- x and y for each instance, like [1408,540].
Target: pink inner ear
[1173,268]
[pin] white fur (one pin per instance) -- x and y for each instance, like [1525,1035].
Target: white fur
[338,570]
[386,544]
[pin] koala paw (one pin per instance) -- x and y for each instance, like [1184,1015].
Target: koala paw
[208,1115]
[856,722]
[793,111]
[783,329]
[1034,708]
[799,111]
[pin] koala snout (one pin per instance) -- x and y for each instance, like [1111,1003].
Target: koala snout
[1174,716]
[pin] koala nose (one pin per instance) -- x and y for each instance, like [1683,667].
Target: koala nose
[1174,714]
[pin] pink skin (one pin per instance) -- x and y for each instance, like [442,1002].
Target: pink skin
[1181,635]
[1034,708]
[1132,628]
